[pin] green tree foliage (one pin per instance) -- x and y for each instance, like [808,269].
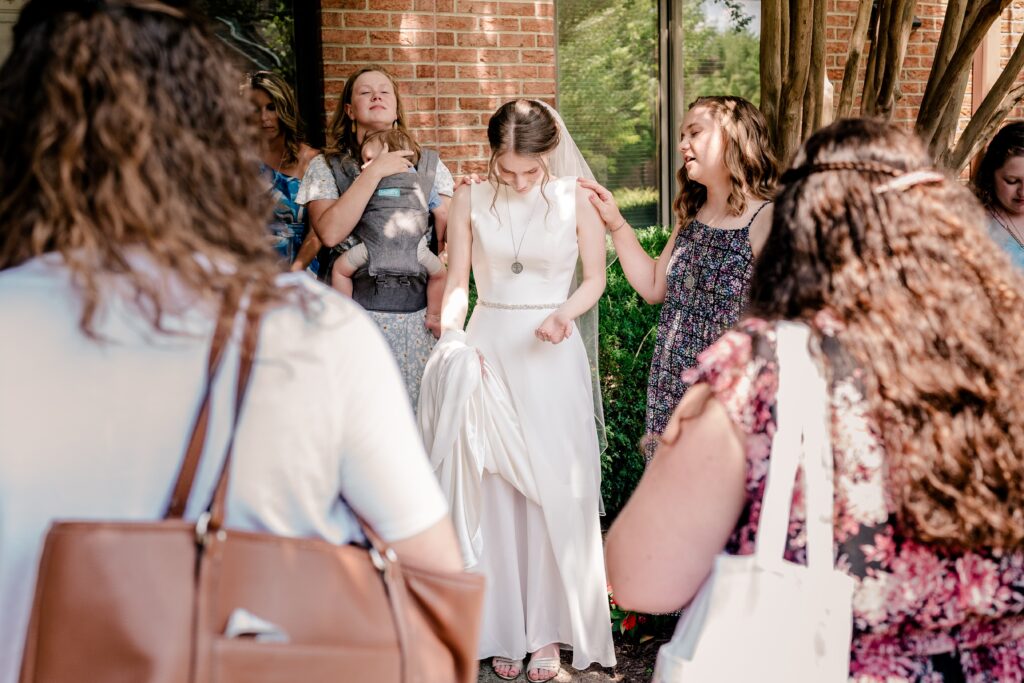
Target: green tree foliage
[628,328]
[716,61]
[608,82]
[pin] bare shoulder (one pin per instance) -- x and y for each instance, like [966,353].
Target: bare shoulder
[305,156]
[583,203]
[463,191]
[761,226]
[461,199]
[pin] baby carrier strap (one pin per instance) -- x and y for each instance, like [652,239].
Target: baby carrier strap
[345,170]
[427,170]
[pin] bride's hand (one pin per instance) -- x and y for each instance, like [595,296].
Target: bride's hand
[555,328]
[604,202]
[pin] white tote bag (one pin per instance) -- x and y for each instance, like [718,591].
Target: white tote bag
[759,617]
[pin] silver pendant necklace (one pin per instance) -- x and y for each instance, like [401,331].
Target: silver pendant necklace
[517,266]
[1007,227]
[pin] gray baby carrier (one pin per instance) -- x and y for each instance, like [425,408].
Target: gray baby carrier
[393,223]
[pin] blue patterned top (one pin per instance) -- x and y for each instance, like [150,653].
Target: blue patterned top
[289,218]
[1006,241]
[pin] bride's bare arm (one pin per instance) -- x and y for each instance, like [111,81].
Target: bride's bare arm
[460,246]
[590,237]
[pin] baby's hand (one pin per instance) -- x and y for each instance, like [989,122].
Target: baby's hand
[389,163]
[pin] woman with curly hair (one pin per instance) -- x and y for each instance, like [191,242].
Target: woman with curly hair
[911,310]
[722,220]
[133,227]
[999,184]
[284,158]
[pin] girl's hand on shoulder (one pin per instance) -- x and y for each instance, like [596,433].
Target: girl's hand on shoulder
[389,163]
[603,202]
[467,180]
[555,328]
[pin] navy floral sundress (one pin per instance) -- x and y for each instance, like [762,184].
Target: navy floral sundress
[708,277]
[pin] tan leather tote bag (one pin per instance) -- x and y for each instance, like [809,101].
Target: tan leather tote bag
[173,601]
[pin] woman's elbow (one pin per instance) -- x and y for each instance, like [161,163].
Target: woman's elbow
[653,298]
[436,548]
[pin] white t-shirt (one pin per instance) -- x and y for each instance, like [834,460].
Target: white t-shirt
[97,430]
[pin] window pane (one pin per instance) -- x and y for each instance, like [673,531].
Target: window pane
[259,33]
[608,94]
[721,43]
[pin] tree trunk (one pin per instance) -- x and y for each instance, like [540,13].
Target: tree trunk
[934,107]
[795,87]
[998,102]
[896,52]
[771,68]
[876,60]
[952,27]
[850,73]
[816,82]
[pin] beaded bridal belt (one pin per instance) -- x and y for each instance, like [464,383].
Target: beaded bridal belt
[517,307]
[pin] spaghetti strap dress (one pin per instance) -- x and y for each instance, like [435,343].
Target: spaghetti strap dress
[708,279]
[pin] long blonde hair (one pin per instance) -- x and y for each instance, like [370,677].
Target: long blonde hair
[749,159]
[287,110]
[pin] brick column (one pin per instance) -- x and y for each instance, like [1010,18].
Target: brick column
[455,62]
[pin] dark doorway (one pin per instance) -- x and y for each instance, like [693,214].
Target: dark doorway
[281,36]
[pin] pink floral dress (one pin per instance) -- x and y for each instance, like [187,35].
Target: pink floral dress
[920,614]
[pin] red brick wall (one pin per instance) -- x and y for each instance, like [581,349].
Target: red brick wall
[455,62]
[920,50]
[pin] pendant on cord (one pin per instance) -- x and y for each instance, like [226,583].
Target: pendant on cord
[517,267]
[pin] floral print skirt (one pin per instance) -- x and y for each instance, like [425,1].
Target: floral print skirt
[411,343]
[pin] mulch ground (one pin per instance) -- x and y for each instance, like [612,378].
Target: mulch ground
[635,665]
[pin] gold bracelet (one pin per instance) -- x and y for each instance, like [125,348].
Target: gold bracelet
[619,227]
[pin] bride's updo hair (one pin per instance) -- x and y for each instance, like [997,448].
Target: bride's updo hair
[523,127]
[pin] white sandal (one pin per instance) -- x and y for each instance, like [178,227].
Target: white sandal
[543,666]
[517,666]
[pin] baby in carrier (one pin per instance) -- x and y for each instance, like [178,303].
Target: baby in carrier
[397,208]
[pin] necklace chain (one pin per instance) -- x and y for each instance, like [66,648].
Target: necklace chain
[1010,227]
[517,266]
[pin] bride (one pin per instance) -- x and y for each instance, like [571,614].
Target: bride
[508,409]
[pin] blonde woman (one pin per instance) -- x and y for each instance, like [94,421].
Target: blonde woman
[285,158]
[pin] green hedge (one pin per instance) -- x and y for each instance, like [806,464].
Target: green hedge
[639,205]
[628,327]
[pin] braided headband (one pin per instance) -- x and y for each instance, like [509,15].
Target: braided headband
[901,180]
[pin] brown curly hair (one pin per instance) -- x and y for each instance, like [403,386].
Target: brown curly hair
[341,133]
[122,133]
[931,313]
[748,156]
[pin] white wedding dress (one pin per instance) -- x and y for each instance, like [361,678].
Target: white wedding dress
[516,449]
